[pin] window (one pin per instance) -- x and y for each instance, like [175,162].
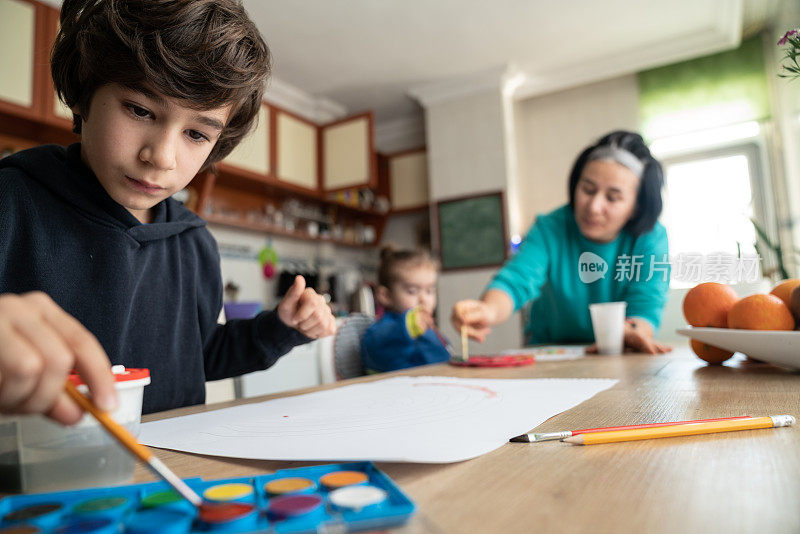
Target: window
[710,197]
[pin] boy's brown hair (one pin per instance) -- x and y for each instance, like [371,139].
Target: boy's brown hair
[393,259]
[205,52]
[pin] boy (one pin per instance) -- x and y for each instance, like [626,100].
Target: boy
[90,240]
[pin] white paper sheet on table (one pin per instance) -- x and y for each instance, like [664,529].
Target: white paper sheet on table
[428,419]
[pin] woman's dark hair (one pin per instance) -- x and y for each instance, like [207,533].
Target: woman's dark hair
[207,53]
[393,259]
[648,202]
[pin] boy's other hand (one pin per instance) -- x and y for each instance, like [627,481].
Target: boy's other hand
[475,315]
[306,311]
[40,344]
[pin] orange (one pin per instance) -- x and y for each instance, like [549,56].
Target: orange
[784,290]
[711,354]
[707,304]
[761,312]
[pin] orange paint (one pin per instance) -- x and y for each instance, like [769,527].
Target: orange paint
[339,479]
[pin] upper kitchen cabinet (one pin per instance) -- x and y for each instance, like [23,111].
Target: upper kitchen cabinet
[296,151]
[29,108]
[23,57]
[408,180]
[55,111]
[348,156]
[252,155]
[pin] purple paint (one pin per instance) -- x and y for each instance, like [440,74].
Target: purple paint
[294,505]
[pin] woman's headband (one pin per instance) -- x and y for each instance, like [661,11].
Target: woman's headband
[620,155]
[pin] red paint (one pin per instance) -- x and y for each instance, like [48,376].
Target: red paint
[501,360]
[223,512]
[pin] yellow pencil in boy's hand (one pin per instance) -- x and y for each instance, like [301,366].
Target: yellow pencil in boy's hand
[689,429]
[464,344]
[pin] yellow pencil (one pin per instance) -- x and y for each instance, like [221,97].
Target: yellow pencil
[690,429]
[464,344]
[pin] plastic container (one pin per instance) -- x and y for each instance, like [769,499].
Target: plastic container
[37,454]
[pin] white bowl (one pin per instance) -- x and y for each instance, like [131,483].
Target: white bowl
[781,347]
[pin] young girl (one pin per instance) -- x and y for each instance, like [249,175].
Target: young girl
[405,336]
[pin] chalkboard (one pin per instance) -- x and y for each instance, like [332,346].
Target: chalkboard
[471,231]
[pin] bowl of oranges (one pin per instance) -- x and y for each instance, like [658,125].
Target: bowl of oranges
[761,326]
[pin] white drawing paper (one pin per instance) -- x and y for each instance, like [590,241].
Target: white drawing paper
[429,419]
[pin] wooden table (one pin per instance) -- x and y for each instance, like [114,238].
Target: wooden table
[733,482]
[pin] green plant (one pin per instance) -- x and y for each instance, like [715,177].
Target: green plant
[792,53]
[777,251]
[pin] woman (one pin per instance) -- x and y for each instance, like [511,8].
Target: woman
[606,245]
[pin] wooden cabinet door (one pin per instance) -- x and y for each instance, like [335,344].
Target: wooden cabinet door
[55,111]
[21,31]
[348,156]
[253,154]
[408,180]
[296,151]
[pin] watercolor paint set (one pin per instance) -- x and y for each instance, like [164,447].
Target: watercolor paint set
[346,497]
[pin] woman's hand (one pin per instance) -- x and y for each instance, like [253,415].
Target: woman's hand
[306,311]
[639,337]
[475,315]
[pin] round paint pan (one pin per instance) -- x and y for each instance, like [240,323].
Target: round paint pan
[357,498]
[229,516]
[289,486]
[341,479]
[162,520]
[46,515]
[113,507]
[167,499]
[291,506]
[231,492]
[100,525]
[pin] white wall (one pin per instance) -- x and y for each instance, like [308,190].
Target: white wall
[467,156]
[402,230]
[466,145]
[552,129]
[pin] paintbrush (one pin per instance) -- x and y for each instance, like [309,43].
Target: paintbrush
[127,440]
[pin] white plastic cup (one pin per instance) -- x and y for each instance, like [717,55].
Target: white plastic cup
[608,322]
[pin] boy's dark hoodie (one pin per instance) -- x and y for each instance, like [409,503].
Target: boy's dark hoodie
[150,293]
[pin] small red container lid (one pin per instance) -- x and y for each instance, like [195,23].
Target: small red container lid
[121,374]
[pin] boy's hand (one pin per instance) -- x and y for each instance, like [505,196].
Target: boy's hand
[306,311]
[475,315]
[39,345]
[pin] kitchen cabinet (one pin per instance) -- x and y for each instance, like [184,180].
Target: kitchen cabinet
[348,154]
[253,154]
[21,52]
[408,180]
[297,151]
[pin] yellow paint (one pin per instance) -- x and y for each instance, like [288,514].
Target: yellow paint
[228,492]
